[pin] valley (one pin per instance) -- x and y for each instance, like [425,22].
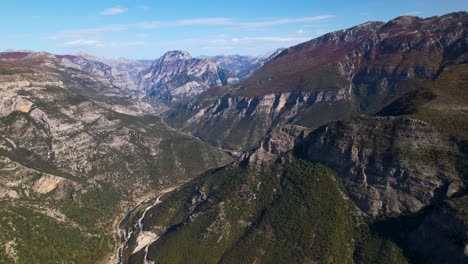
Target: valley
[351,147]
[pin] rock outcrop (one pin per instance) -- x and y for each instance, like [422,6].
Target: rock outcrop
[358,70]
[389,165]
[70,164]
[176,76]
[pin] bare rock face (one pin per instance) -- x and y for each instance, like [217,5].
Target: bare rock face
[240,121]
[68,145]
[117,77]
[389,165]
[112,87]
[338,75]
[47,184]
[244,66]
[275,144]
[177,75]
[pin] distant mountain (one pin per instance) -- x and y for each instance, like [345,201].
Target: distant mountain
[243,66]
[365,190]
[234,63]
[356,151]
[132,67]
[75,152]
[341,74]
[176,76]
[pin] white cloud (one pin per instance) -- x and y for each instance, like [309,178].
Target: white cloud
[285,21]
[300,32]
[144,7]
[269,39]
[217,21]
[146,25]
[116,10]
[143,35]
[99,44]
[80,33]
[413,13]
[80,43]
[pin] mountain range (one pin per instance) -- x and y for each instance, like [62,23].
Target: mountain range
[349,148]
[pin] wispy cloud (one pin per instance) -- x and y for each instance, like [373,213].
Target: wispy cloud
[144,7]
[99,44]
[116,10]
[80,43]
[217,21]
[212,21]
[143,35]
[284,21]
[268,39]
[77,33]
[413,13]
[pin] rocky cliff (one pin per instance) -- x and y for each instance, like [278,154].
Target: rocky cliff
[176,76]
[343,73]
[70,164]
[244,66]
[388,185]
[390,165]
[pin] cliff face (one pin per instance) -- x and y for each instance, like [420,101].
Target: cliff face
[398,178]
[390,165]
[357,70]
[244,66]
[118,76]
[243,214]
[239,121]
[176,76]
[70,164]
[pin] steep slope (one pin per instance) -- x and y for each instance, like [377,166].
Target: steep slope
[390,183]
[243,66]
[69,165]
[442,103]
[241,213]
[390,165]
[176,76]
[235,64]
[338,75]
[132,67]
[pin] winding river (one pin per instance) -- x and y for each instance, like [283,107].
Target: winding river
[145,238]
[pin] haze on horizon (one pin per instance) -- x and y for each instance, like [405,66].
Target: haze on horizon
[146,29]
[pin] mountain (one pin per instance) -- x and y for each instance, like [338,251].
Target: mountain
[355,71]
[350,148]
[243,66]
[244,74]
[235,64]
[177,76]
[73,159]
[133,67]
[364,190]
[361,157]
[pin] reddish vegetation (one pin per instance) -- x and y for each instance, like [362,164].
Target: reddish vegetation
[402,47]
[13,55]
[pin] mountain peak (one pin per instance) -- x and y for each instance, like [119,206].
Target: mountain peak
[176,55]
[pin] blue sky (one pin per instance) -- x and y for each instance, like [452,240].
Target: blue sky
[148,28]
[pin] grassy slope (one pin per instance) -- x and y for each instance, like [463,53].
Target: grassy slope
[443,103]
[87,233]
[37,238]
[247,216]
